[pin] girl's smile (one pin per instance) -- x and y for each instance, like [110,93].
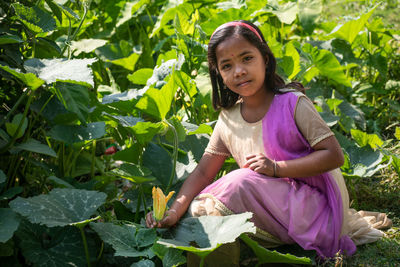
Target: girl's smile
[242,67]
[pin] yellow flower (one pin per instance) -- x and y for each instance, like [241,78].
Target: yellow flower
[160,203]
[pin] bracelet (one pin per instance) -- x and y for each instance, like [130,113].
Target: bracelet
[274,168]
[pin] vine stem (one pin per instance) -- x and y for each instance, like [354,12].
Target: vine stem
[85,244]
[174,154]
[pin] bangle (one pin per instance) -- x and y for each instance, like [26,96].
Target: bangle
[274,168]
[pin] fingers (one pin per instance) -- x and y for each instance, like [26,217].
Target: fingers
[150,222]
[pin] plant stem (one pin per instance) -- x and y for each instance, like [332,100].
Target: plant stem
[69,40]
[139,203]
[93,159]
[202,262]
[7,117]
[85,244]
[174,154]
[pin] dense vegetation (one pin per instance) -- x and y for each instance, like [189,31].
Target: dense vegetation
[102,100]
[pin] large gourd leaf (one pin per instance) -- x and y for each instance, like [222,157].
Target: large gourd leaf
[134,173]
[52,70]
[51,247]
[7,38]
[309,11]
[60,207]
[78,133]
[86,45]
[9,223]
[127,240]
[159,162]
[266,256]
[364,139]
[29,79]
[34,18]
[350,29]
[208,232]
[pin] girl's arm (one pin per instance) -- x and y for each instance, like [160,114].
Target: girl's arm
[327,156]
[202,176]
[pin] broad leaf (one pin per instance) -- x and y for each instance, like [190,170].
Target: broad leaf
[127,62]
[364,139]
[33,145]
[130,10]
[173,257]
[134,173]
[34,18]
[60,207]
[9,223]
[52,70]
[123,239]
[203,128]
[11,192]
[140,76]
[159,162]
[7,38]
[309,11]
[350,29]
[77,133]
[29,79]
[51,247]
[266,256]
[208,232]
[287,12]
[145,131]
[59,182]
[144,263]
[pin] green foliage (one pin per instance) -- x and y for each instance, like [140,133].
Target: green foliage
[81,77]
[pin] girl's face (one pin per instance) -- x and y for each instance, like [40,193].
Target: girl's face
[242,66]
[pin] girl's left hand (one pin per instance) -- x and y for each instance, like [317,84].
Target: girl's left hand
[260,163]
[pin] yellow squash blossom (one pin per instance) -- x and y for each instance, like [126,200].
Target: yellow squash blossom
[160,203]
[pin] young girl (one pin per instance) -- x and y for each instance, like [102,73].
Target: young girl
[288,157]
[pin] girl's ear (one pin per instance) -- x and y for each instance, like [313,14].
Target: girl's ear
[266,60]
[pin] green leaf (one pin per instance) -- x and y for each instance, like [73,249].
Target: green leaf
[69,12]
[208,232]
[397,133]
[51,70]
[127,62]
[286,12]
[75,98]
[77,133]
[364,139]
[145,131]
[51,247]
[134,173]
[11,192]
[159,161]
[7,38]
[30,79]
[34,18]
[156,102]
[291,61]
[203,128]
[13,126]
[123,239]
[143,263]
[140,76]
[173,257]
[266,256]
[309,11]
[59,182]
[33,145]
[350,29]
[60,207]
[326,64]
[129,11]
[55,9]
[9,223]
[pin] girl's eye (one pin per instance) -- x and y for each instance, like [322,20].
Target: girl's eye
[248,58]
[226,66]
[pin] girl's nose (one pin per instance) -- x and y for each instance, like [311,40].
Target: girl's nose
[239,70]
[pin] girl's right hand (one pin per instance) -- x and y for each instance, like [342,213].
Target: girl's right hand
[170,219]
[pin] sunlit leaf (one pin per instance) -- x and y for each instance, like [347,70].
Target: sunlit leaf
[60,207]
[145,131]
[12,126]
[129,11]
[86,45]
[140,76]
[208,232]
[309,11]
[127,62]
[52,70]
[34,18]
[349,30]
[133,173]
[77,133]
[30,79]
[9,223]
[364,139]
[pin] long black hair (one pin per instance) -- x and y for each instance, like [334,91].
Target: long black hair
[223,98]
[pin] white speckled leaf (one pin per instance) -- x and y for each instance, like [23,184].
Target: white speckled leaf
[60,207]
